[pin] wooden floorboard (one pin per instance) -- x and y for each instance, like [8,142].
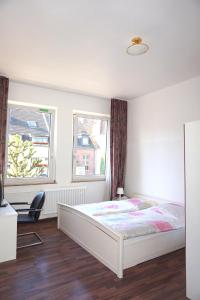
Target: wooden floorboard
[60,269]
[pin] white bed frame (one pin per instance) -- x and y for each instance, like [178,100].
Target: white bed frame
[109,247]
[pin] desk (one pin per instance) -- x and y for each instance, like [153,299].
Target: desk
[8,233]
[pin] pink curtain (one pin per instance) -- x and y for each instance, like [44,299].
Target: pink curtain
[4,83]
[118,143]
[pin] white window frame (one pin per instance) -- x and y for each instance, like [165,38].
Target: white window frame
[85,178]
[51,167]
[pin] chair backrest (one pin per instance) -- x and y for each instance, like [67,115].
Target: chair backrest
[37,203]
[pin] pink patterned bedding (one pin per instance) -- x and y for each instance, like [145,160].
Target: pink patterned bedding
[155,219]
[111,207]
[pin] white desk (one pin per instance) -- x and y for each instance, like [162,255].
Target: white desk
[8,233]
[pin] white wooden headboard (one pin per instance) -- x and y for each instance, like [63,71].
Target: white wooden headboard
[151,198]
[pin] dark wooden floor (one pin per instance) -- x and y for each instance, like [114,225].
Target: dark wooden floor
[60,269]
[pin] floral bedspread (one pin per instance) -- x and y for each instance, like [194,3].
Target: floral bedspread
[155,219]
[111,207]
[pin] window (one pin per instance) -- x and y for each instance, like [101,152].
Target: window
[32,124]
[89,147]
[30,157]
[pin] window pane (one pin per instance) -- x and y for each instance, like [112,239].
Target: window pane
[89,151]
[28,143]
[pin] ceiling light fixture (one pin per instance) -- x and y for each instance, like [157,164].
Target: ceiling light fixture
[137,47]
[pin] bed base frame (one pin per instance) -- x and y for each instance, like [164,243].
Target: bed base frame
[109,247]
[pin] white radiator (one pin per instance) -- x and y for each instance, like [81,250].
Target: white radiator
[69,195]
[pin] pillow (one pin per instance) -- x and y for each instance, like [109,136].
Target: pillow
[142,203]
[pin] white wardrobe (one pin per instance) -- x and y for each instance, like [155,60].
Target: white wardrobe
[192,179]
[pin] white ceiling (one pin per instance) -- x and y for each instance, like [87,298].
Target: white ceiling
[80,45]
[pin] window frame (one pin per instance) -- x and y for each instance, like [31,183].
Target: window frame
[51,167]
[86,178]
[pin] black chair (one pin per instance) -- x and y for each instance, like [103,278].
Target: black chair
[32,216]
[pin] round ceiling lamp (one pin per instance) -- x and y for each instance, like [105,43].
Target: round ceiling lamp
[137,47]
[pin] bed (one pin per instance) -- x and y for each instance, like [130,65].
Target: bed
[110,246]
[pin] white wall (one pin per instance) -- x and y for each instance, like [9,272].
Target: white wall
[65,104]
[155,158]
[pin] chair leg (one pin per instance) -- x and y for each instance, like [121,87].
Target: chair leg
[32,244]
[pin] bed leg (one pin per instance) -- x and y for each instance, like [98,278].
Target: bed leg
[120,274]
[58,216]
[121,257]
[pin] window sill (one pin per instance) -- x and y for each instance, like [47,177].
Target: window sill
[12,184]
[88,180]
